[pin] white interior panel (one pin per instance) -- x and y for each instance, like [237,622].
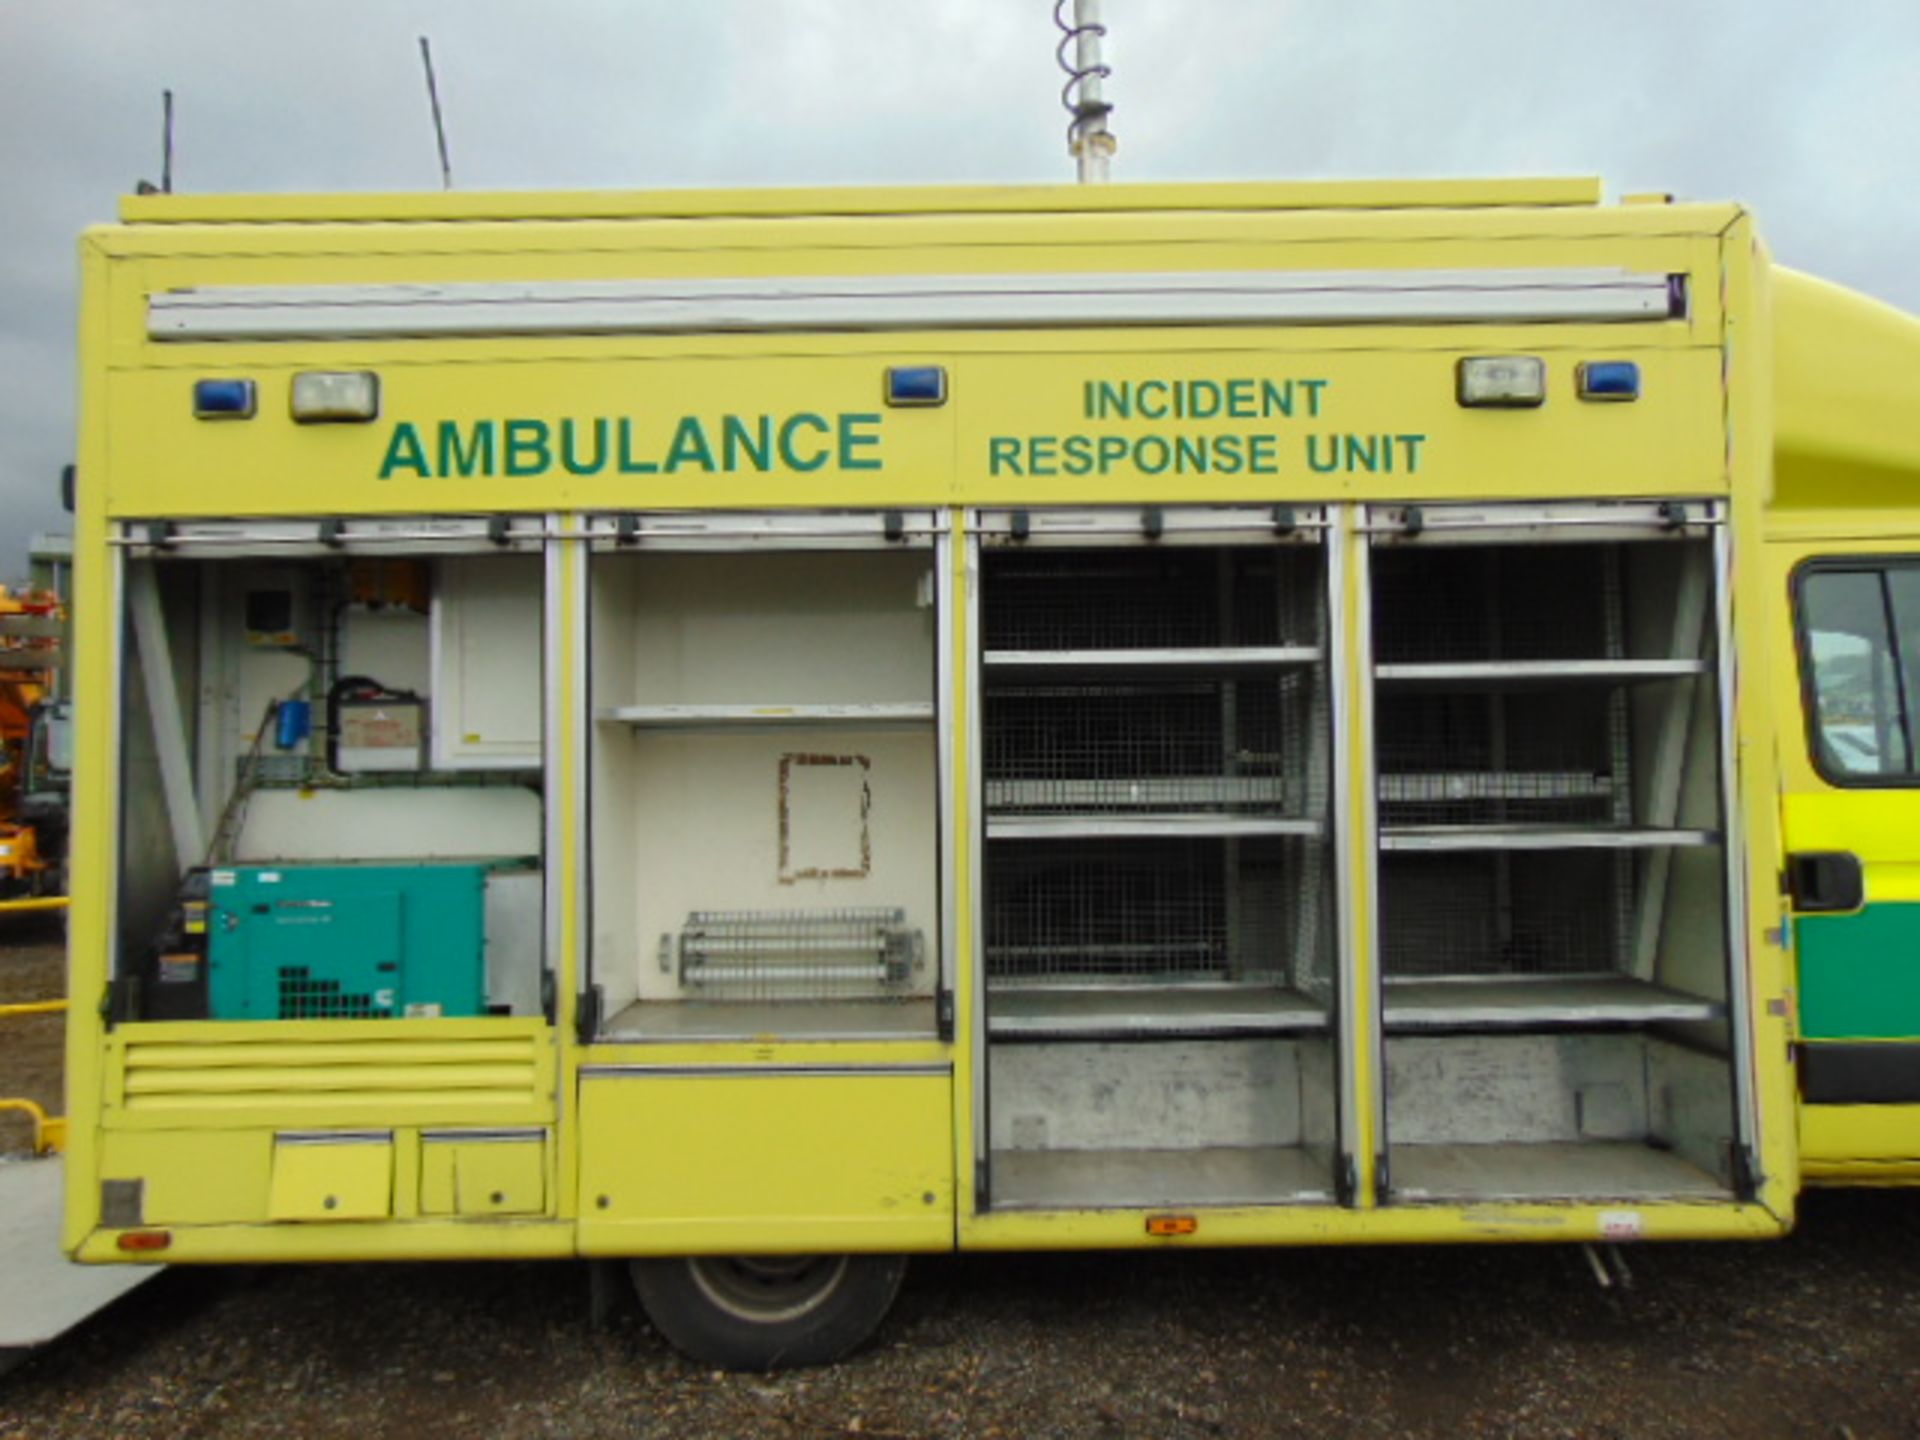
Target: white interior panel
[487,617]
[779,628]
[708,833]
[390,824]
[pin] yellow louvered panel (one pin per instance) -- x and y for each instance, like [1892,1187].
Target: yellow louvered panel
[232,1074]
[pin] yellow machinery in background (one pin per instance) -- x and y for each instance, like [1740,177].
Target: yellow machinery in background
[33,759]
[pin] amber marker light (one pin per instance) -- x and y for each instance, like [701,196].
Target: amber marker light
[141,1241]
[1167,1227]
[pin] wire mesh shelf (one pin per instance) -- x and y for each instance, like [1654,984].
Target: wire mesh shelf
[1157,910]
[1131,599]
[1226,746]
[1494,602]
[1503,914]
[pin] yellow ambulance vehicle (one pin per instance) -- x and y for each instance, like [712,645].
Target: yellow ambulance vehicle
[759,734]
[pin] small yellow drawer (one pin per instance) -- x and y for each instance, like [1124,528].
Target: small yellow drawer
[483,1172]
[331,1175]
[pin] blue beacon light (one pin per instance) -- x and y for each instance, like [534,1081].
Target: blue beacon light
[224,399]
[1608,380]
[916,385]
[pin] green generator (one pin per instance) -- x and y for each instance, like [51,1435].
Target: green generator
[346,942]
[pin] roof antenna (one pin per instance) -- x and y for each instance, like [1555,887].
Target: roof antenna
[439,125]
[165,187]
[1088,140]
[166,142]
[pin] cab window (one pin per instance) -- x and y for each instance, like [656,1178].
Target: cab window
[1860,662]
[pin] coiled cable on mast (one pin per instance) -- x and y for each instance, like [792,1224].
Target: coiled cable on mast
[1080,97]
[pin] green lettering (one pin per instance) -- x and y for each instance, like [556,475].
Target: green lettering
[793,459]
[476,459]
[1113,449]
[571,459]
[689,446]
[1190,455]
[1203,399]
[1330,461]
[1412,444]
[1228,457]
[859,432]
[1313,389]
[405,452]
[629,465]
[1263,454]
[1240,399]
[1079,453]
[1003,450]
[1159,387]
[757,446]
[529,447]
[1276,398]
[1042,455]
[1162,455]
[1115,400]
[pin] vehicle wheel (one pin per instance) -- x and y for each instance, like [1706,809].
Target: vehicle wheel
[768,1312]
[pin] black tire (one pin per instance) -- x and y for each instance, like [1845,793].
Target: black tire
[768,1312]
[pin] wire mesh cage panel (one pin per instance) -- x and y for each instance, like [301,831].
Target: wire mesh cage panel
[1207,745]
[1504,914]
[1501,758]
[770,955]
[1144,598]
[1495,602]
[1162,910]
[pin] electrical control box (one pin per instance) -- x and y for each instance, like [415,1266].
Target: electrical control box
[349,942]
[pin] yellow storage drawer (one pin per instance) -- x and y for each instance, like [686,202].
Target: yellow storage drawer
[483,1172]
[331,1175]
[721,1160]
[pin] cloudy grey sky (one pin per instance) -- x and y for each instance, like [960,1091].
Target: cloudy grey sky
[1807,112]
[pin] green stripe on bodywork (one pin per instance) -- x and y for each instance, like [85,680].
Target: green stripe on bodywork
[1860,974]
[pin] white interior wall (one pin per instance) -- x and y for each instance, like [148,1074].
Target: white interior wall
[778,627]
[488,622]
[706,828]
[687,820]
[391,823]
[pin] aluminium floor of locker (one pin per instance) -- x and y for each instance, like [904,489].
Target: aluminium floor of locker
[1121,1179]
[1582,1170]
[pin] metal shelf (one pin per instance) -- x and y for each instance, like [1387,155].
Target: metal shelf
[1198,662]
[1522,674]
[1537,837]
[667,717]
[1119,827]
[1144,1011]
[1538,1003]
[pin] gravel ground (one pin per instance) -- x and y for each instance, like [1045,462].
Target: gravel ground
[1818,1335]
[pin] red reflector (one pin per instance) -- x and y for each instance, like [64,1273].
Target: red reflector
[1164,1225]
[145,1240]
